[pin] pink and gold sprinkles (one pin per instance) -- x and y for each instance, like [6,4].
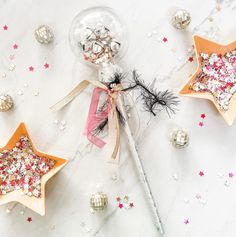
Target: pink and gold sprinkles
[218,77]
[22,169]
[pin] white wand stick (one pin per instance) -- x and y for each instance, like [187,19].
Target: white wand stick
[140,168]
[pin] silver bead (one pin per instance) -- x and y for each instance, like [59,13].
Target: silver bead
[180,139]
[181,19]
[6,102]
[44,34]
[98,201]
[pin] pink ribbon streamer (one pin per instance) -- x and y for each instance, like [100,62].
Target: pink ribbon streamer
[95,117]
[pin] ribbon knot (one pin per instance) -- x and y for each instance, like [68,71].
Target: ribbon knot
[96,117]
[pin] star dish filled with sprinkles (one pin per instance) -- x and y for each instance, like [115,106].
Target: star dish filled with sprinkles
[22,169]
[218,77]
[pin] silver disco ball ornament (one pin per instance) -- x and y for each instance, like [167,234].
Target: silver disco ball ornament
[181,19]
[98,201]
[44,34]
[180,139]
[6,102]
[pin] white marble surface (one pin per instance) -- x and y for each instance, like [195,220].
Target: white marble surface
[173,174]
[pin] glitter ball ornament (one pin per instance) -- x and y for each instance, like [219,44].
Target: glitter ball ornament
[98,201]
[6,102]
[180,139]
[44,34]
[181,19]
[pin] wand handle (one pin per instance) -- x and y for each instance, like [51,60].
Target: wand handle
[140,168]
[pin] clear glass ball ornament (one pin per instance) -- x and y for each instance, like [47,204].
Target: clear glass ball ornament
[98,36]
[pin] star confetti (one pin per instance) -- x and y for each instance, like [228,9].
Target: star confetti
[231,175]
[29,219]
[46,65]
[118,199]
[186,221]
[203,116]
[201,124]
[120,205]
[15,46]
[190,59]
[164,39]
[31,68]
[24,171]
[5,27]
[215,77]
[201,173]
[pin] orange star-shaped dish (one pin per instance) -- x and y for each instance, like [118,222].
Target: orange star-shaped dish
[37,204]
[203,45]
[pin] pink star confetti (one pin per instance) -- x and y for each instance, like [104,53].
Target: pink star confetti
[186,221]
[231,174]
[201,124]
[5,27]
[190,59]
[203,116]
[164,39]
[29,219]
[15,46]
[120,205]
[131,205]
[46,65]
[31,69]
[118,199]
[201,173]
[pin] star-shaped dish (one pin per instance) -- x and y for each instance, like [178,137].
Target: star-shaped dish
[203,45]
[37,204]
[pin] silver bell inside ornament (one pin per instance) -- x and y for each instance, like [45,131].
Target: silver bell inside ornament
[44,34]
[181,19]
[6,102]
[180,139]
[98,201]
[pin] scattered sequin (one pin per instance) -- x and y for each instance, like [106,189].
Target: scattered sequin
[22,169]
[22,212]
[198,196]
[201,124]
[5,27]
[218,77]
[190,59]
[20,92]
[231,175]
[15,46]
[175,177]
[203,116]
[186,221]
[164,39]
[226,183]
[8,211]
[12,67]
[31,68]
[201,173]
